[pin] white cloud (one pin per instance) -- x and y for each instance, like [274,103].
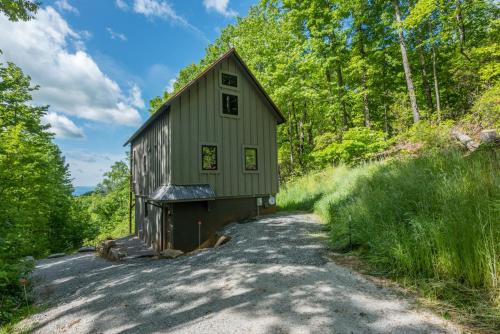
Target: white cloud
[116,35]
[135,97]
[64,5]
[62,126]
[220,6]
[170,86]
[121,4]
[87,168]
[160,9]
[70,81]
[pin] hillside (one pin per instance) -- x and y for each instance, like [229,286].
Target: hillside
[430,222]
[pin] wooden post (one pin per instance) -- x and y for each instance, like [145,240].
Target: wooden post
[130,194]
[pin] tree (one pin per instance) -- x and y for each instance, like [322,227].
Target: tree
[19,10]
[406,63]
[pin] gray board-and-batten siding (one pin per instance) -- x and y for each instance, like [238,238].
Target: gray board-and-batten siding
[168,144]
[172,142]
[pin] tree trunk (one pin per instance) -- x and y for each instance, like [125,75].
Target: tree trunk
[423,70]
[436,84]
[406,64]
[435,77]
[290,136]
[302,137]
[366,107]
[362,53]
[340,85]
[461,28]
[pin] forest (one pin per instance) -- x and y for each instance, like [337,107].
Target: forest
[371,91]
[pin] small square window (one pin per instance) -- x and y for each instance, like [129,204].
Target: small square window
[208,157]
[251,158]
[229,80]
[229,104]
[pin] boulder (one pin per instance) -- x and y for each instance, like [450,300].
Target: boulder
[488,136]
[170,253]
[109,243]
[115,254]
[56,255]
[29,258]
[105,246]
[86,249]
[222,240]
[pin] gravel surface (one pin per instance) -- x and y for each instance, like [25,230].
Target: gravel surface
[272,277]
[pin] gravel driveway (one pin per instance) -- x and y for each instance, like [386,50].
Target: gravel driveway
[272,277]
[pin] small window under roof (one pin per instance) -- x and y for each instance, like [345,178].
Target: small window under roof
[230,80]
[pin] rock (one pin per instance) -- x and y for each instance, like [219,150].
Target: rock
[488,136]
[109,243]
[56,255]
[29,258]
[105,246]
[170,253]
[222,240]
[464,139]
[115,254]
[86,249]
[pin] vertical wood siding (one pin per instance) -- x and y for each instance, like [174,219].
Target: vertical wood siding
[154,144]
[195,118]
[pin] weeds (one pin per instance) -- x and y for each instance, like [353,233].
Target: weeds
[431,219]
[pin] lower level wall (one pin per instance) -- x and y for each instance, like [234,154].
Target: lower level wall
[179,227]
[213,215]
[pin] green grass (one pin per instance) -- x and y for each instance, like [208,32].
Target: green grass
[432,222]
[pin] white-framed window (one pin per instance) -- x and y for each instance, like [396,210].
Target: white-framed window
[209,157]
[229,80]
[250,159]
[230,104]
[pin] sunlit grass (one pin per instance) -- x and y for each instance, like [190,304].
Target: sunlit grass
[434,219]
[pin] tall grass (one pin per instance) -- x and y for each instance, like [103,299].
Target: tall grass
[432,217]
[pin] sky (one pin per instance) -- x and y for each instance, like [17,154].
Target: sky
[99,62]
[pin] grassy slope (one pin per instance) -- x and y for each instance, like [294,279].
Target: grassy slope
[431,222]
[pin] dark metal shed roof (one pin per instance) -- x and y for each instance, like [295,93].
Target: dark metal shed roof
[166,106]
[183,193]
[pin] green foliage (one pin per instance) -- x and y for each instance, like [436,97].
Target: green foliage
[106,210]
[35,188]
[358,144]
[433,137]
[332,65]
[486,109]
[432,218]
[19,10]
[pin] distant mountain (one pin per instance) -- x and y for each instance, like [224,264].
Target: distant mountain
[80,190]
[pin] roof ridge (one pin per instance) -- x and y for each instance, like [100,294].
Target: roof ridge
[166,104]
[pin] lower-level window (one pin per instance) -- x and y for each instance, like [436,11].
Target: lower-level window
[208,157]
[251,158]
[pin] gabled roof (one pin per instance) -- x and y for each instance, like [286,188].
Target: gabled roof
[166,105]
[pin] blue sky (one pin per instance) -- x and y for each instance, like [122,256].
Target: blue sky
[99,62]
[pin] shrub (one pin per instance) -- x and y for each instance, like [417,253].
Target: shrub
[358,144]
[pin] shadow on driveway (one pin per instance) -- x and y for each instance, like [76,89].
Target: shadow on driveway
[272,277]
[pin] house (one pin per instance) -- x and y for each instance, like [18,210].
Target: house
[207,157]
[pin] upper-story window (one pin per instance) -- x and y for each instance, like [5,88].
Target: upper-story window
[144,164]
[229,80]
[230,104]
